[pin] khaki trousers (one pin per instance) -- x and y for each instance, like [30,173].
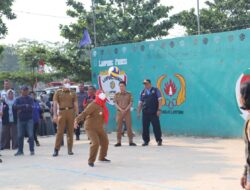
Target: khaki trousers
[65,119]
[98,137]
[119,119]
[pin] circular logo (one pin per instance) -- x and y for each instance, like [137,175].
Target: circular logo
[245,76]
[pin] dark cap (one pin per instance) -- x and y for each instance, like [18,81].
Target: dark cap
[146,81]
[24,87]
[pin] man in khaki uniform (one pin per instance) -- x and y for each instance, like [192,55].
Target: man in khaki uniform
[123,102]
[95,115]
[64,114]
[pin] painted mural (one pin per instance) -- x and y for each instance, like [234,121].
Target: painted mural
[198,76]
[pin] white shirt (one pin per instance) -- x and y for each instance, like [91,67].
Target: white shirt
[4,94]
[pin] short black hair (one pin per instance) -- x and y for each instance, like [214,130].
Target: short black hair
[245,95]
[123,82]
[91,86]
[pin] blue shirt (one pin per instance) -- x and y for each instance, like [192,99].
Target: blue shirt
[148,91]
[36,111]
[24,107]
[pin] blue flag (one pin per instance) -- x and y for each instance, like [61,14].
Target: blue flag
[85,39]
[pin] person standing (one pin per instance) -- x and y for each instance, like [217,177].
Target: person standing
[36,116]
[123,101]
[150,104]
[94,117]
[81,95]
[245,105]
[24,106]
[9,133]
[90,97]
[67,103]
[6,87]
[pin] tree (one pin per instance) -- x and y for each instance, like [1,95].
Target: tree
[9,60]
[119,21]
[65,60]
[5,11]
[221,15]
[71,61]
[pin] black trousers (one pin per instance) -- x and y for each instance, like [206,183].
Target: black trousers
[36,126]
[77,130]
[155,121]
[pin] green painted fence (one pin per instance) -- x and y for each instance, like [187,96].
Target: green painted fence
[198,77]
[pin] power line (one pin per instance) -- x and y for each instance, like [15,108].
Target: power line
[41,14]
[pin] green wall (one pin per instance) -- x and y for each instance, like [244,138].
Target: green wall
[204,70]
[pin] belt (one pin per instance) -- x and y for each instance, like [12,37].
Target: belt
[66,108]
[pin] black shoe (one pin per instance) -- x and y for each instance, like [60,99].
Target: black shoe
[70,153]
[91,164]
[104,160]
[32,153]
[55,153]
[118,144]
[145,144]
[77,138]
[37,143]
[159,143]
[132,144]
[19,154]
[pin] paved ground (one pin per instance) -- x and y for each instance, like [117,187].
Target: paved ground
[183,163]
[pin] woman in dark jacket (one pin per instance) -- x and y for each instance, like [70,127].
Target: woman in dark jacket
[9,119]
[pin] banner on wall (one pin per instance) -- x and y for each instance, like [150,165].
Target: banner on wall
[173,92]
[110,85]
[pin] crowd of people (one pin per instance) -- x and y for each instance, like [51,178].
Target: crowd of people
[23,115]
[66,111]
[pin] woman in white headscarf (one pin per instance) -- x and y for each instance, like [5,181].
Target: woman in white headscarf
[9,119]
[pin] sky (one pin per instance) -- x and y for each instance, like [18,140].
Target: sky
[40,19]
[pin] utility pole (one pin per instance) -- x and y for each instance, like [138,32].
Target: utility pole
[94,21]
[198,17]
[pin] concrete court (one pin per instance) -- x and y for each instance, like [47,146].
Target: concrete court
[182,163]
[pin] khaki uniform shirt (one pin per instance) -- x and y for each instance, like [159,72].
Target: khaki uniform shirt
[65,98]
[123,99]
[92,116]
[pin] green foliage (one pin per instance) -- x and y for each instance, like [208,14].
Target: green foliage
[27,78]
[30,53]
[71,61]
[1,49]
[118,21]
[9,60]
[64,59]
[5,11]
[221,15]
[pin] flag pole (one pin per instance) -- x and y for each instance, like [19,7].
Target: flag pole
[94,21]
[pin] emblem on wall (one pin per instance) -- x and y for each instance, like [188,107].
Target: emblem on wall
[173,92]
[244,77]
[110,85]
